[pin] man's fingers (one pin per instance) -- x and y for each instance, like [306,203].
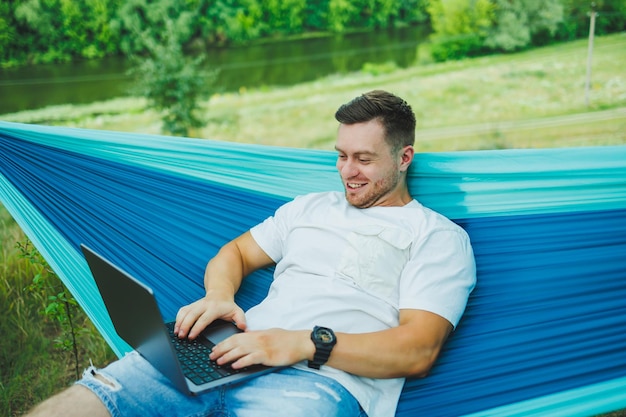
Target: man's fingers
[236,352]
[240,319]
[180,318]
[192,319]
[200,324]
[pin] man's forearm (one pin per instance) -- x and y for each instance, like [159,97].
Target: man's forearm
[233,262]
[410,349]
[224,273]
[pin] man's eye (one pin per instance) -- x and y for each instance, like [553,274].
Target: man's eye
[364,161]
[342,157]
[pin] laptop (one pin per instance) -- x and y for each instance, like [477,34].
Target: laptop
[137,319]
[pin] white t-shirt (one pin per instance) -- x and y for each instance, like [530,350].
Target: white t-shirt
[353,270]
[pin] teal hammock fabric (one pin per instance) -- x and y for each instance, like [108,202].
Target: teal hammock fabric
[545,329]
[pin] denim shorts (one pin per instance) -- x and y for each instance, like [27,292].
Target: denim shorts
[134,388]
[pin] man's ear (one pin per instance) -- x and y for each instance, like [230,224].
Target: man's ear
[406,157]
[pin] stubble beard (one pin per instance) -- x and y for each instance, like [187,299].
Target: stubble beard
[379,190]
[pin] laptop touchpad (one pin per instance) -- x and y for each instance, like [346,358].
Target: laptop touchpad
[220,330]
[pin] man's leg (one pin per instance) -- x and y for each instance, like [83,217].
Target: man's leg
[127,387]
[73,402]
[291,393]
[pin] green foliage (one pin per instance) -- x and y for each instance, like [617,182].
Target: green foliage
[375,13]
[172,82]
[61,30]
[285,16]
[471,27]
[218,22]
[412,12]
[382,12]
[459,27]
[316,15]
[518,22]
[246,23]
[57,304]
[339,13]
[611,18]
[56,30]
[31,367]
[138,20]
[7,30]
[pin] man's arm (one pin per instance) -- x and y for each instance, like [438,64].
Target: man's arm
[409,349]
[222,278]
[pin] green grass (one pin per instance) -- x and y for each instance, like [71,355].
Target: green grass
[31,368]
[533,99]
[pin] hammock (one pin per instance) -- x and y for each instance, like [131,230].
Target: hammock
[544,332]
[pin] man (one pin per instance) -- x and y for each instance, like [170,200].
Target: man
[368,285]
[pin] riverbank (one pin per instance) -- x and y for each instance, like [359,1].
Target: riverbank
[524,100]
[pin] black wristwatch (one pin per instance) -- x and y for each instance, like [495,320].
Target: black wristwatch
[324,340]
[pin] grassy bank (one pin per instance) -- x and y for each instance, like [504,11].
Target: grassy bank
[530,99]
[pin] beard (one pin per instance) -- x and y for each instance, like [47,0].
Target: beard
[376,192]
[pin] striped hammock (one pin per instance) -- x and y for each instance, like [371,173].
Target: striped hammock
[544,332]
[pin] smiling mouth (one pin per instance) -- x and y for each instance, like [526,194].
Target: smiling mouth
[354,186]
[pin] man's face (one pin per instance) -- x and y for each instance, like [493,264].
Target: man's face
[371,175]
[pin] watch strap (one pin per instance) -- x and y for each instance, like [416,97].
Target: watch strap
[322,349]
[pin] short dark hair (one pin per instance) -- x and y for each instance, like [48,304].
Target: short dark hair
[394,113]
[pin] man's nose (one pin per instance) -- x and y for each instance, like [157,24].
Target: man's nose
[349,169]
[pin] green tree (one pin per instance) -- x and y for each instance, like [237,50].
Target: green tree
[218,22]
[459,27]
[519,23]
[140,20]
[340,13]
[155,35]
[40,26]
[247,22]
[412,12]
[316,15]
[383,13]
[7,31]
[59,30]
[102,41]
[172,82]
[285,16]
[611,17]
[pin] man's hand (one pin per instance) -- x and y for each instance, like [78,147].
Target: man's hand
[222,278]
[195,317]
[273,347]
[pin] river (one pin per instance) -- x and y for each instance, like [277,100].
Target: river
[269,64]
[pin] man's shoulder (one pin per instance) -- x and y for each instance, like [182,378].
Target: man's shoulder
[433,219]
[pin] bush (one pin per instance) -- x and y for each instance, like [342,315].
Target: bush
[460,27]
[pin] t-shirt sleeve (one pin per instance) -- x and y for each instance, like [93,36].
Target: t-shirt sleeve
[440,275]
[267,237]
[271,234]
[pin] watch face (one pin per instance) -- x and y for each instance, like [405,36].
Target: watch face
[324,335]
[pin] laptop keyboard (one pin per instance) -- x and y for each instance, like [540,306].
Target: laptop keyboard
[194,359]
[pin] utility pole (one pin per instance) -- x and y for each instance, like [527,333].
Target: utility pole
[592,29]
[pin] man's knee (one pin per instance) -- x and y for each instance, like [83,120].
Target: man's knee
[73,402]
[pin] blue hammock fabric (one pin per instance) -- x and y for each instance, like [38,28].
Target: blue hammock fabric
[544,332]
